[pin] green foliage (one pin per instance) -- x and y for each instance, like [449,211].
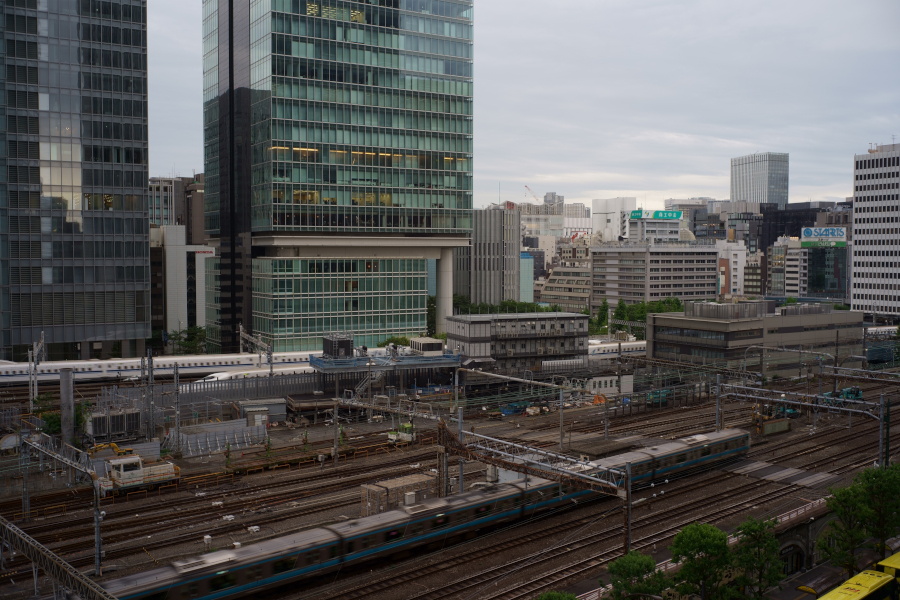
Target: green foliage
[638,312]
[636,573]
[431,316]
[845,533]
[188,341]
[603,313]
[557,596]
[880,496]
[756,553]
[790,300]
[704,554]
[462,305]
[440,336]
[396,339]
[841,307]
[43,403]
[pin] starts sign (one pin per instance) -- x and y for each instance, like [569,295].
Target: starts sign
[824,237]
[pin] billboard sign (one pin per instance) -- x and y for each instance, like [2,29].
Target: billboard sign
[671,215]
[823,237]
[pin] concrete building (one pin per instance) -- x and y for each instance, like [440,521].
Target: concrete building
[334,177]
[569,283]
[721,334]
[642,272]
[761,177]
[542,220]
[554,198]
[876,244]
[75,245]
[787,269]
[520,341]
[526,277]
[610,217]
[488,270]
[577,220]
[732,268]
[686,203]
[755,275]
[194,195]
[540,261]
[655,225]
[178,274]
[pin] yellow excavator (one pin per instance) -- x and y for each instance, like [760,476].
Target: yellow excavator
[119,451]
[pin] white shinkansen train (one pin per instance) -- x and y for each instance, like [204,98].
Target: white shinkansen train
[218,365]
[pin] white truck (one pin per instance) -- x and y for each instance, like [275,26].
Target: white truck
[129,473]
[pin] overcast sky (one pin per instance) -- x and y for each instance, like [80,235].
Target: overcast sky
[595,99]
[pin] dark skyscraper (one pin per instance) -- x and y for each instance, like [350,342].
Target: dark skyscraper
[338,144]
[75,261]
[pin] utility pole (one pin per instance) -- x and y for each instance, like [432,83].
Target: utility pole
[35,355]
[626,512]
[881,444]
[718,387]
[560,420]
[462,484]
[336,431]
[837,336]
[177,414]
[887,435]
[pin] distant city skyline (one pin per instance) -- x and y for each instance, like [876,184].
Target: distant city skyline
[616,127]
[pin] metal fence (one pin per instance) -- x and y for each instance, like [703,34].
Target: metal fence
[216,437]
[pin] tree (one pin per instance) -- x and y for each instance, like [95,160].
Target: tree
[603,314]
[399,340]
[621,314]
[431,315]
[845,533]
[880,494]
[636,573]
[557,596]
[790,300]
[193,341]
[704,554]
[756,553]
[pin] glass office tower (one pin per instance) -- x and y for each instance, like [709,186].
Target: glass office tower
[761,177]
[74,238]
[338,139]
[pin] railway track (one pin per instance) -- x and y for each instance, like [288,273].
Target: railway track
[664,516]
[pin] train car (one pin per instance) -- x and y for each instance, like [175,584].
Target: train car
[128,474]
[429,524]
[598,348]
[681,455]
[868,585]
[252,373]
[658,398]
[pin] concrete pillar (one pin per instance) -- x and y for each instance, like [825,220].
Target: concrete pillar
[67,403]
[444,300]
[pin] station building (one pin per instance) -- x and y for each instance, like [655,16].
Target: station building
[723,334]
[519,341]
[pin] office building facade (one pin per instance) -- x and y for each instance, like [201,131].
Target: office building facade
[643,272]
[74,251]
[488,270]
[761,177]
[876,225]
[338,143]
[721,334]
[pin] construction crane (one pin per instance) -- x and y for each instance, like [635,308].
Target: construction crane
[536,199]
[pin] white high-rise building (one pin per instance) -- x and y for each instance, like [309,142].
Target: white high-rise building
[761,177]
[875,278]
[610,217]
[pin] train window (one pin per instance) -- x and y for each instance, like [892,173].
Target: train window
[255,572]
[367,541]
[333,551]
[394,534]
[705,451]
[440,521]
[132,467]
[190,591]
[482,510]
[681,458]
[220,582]
[350,546]
[155,596]
[417,528]
[280,566]
[312,557]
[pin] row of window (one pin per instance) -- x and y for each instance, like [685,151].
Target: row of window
[396,118]
[77,308]
[86,201]
[877,163]
[78,275]
[362,176]
[687,332]
[102,9]
[403,159]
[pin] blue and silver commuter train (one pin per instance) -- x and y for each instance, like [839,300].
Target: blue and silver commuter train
[293,558]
